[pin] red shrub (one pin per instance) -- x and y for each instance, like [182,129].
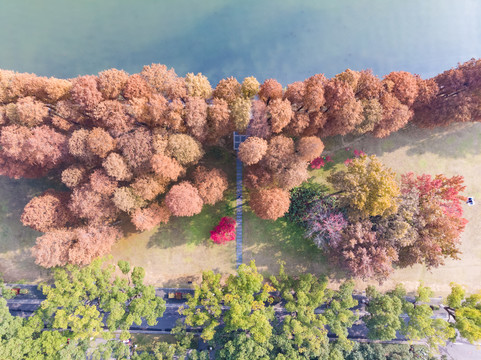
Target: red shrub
[224,232]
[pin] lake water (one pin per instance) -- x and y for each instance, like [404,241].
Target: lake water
[285,39]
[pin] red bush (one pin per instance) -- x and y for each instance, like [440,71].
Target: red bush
[224,232]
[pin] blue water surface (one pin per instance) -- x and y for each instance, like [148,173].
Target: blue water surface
[284,39]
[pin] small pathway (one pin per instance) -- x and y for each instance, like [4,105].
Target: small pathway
[238,139]
[238,213]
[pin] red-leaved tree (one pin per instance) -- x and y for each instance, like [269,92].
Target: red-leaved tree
[224,231]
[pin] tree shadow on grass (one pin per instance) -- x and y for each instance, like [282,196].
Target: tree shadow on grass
[16,240]
[193,230]
[454,141]
[269,242]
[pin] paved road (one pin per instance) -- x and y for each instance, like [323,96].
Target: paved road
[25,305]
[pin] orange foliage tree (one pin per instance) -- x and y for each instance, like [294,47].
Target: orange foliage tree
[120,141]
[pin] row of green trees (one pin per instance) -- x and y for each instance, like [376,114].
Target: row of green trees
[287,317]
[245,317]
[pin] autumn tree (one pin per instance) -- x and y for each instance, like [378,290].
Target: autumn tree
[80,246]
[164,80]
[270,204]
[198,85]
[111,83]
[149,217]
[125,199]
[439,222]
[86,203]
[252,150]
[395,115]
[270,89]
[366,187]
[279,150]
[240,113]
[403,85]
[280,114]
[371,115]
[85,92]
[401,228]
[184,149]
[73,175]
[116,167]
[101,183]
[256,177]
[112,115]
[48,211]
[40,146]
[210,183]
[137,149]
[224,231]
[250,87]
[196,117]
[293,174]
[259,124]
[309,147]
[218,115]
[295,93]
[344,111]
[362,253]
[323,222]
[100,142]
[148,186]
[314,92]
[136,87]
[368,86]
[28,112]
[228,89]
[166,167]
[183,199]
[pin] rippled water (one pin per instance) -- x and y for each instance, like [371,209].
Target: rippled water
[285,39]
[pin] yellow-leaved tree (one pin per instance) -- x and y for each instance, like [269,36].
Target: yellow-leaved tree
[366,188]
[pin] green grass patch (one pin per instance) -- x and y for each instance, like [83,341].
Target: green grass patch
[193,230]
[285,236]
[146,342]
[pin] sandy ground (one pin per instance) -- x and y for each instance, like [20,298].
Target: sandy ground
[173,262]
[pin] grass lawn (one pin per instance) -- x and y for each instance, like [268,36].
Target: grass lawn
[16,240]
[145,342]
[450,151]
[177,253]
[455,150]
[267,242]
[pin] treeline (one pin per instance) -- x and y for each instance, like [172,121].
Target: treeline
[292,317]
[245,317]
[128,144]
